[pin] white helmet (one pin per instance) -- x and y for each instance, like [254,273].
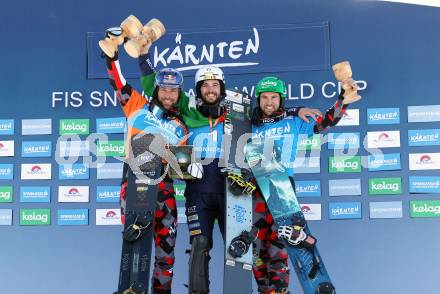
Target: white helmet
[209,72]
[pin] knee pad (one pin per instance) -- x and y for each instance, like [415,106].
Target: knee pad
[199,265]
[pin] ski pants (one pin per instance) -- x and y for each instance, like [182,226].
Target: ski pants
[270,265]
[164,234]
[202,209]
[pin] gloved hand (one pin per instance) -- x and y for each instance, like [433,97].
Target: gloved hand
[195,169]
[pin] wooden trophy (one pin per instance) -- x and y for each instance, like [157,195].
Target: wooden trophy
[115,36]
[148,34]
[343,73]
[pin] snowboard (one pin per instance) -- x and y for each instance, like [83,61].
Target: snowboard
[145,168]
[239,189]
[279,193]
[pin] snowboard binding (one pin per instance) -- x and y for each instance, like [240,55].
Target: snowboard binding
[136,229]
[240,181]
[240,245]
[326,288]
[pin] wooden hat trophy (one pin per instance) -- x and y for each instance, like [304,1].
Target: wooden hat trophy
[344,74]
[115,36]
[148,34]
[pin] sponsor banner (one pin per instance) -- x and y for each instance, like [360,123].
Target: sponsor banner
[73,148]
[390,161]
[36,149]
[6,171]
[6,126]
[345,210]
[108,193]
[73,194]
[181,216]
[108,217]
[383,139]
[344,187]
[424,137]
[5,217]
[424,161]
[350,118]
[309,143]
[36,171]
[6,194]
[238,50]
[73,217]
[180,191]
[35,194]
[109,171]
[311,211]
[111,125]
[35,217]
[111,148]
[36,126]
[426,113]
[308,188]
[391,209]
[343,141]
[424,184]
[424,208]
[6,148]
[74,126]
[307,165]
[383,116]
[76,171]
[344,164]
[385,186]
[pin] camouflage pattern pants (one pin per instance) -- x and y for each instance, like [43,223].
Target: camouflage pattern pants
[270,266]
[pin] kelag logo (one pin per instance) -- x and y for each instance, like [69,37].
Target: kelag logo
[36,149]
[6,126]
[379,162]
[6,171]
[425,208]
[345,210]
[309,143]
[77,171]
[424,137]
[307,165]
[5,194]
[113,125]
[391,209]
[385,186]
[6,148]
[426,113]
[109,171]
[36,126]
[424,161]
[107,193]
[238,49]
[111,148]
[34,217]
[35,194]
[343,141]
[180,191]
[424,184]
[384,139]
[73,194]
[308,188]
[5,217]
[74,126]
[344,164]
[344,187]
[73,217]
[383,116]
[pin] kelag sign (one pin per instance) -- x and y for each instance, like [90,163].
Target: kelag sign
[236,50]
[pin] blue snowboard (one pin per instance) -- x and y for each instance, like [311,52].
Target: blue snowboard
[281,200]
